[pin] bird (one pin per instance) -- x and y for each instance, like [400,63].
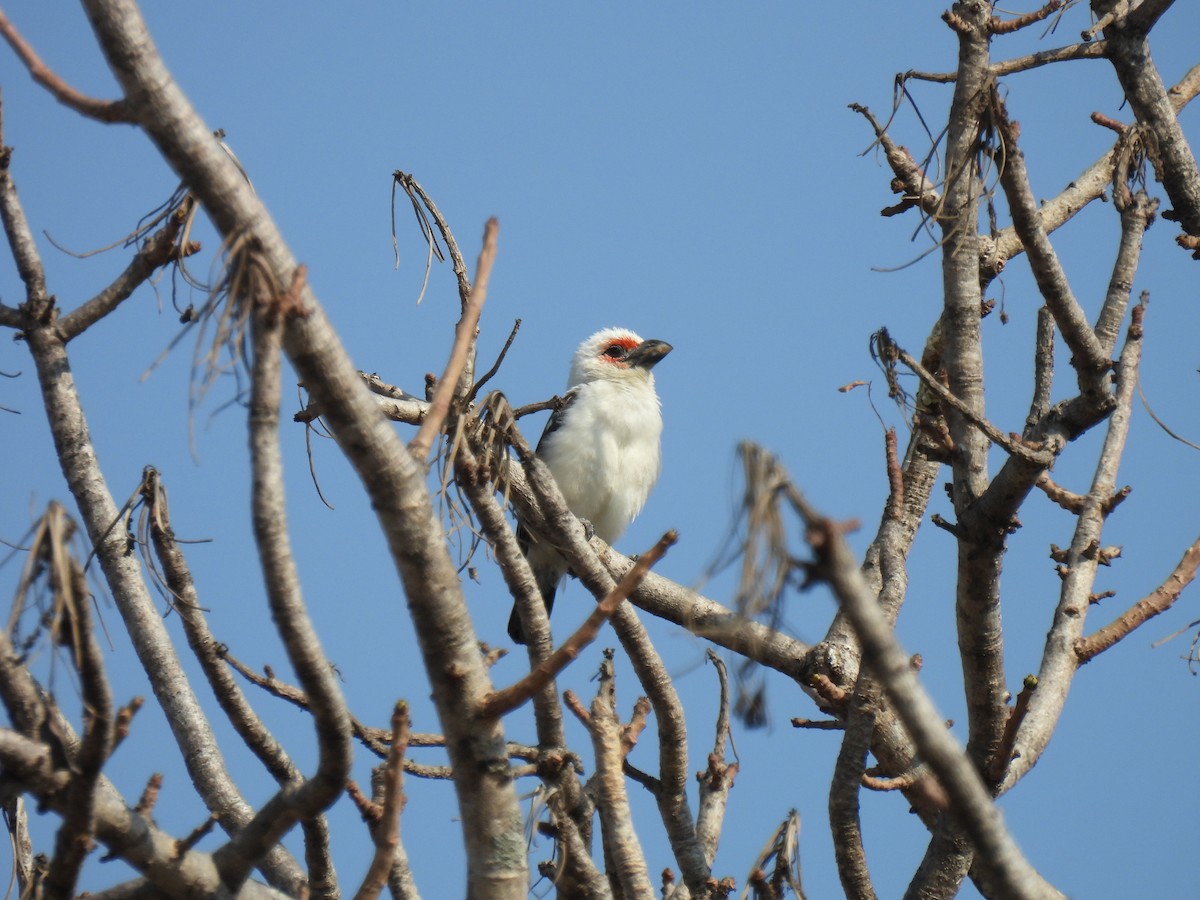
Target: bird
[602,445]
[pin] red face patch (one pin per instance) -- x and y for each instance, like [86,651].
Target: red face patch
[616,350]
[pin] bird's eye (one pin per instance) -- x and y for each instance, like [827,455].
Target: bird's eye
[616,351]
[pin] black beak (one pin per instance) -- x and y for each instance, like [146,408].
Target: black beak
[648,354]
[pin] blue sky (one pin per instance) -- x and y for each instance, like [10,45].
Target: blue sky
[690,171]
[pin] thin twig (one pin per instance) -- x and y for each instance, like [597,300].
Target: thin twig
[1157,601]
[386,831]
[1004,753]
[1011,443]
[464,335]
[504,701]
[103,110]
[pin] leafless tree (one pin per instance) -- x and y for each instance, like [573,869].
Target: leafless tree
[262,310]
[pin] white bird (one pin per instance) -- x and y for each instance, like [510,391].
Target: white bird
[602,446]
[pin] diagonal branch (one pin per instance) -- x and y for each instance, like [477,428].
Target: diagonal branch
[464,340]
[1089,360]
[1137,212]
[505,701]
[156,251]
[1007,872]
[1157,601]
[103,110]
[321,879]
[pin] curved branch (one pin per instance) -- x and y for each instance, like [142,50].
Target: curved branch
[321,880]
[1129,53]
[102,110]
[393,480]
[1007,873]
[303,800]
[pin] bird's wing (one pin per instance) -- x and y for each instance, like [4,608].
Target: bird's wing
[524,538]
[557,417]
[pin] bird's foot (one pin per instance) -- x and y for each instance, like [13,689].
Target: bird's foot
[589,530]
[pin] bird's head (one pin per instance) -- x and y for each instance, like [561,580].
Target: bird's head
[616,354]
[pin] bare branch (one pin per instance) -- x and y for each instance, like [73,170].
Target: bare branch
[505,701]
[386,830]
[102,110]
[73,840]
[464,339]
[671,791]
[1089,359]
[1007,869]
[1137,212]
[155,252]
[717,780]
[190,727]
[917,190]
[20,242]
[1004,752]
[155,528]
[118,825]
[1129,53]
[844,821]
[1060,660]
[1011,443]
[1008,26]
[622,850]
[1157,601]
[393,480]
[307,799]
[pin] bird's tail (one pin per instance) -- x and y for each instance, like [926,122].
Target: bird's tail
[548,585]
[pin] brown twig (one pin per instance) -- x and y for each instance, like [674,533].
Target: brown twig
[911,182]
[895,500]
[490,373]
[504,701]
[1004,752]
[1011,443]
[103,110]
[385,831]
[184,844]
[464,336]
[818,724]
[884,783]
[1094,50]
[1157,601]
[148,800]
[1068,500]
[155,251]
[1008,26]
[124,720]
[1109,122]
[836,697]
[1089,358]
